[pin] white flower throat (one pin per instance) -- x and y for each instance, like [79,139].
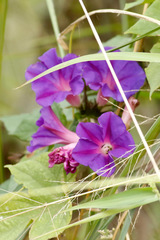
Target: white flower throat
[106,148]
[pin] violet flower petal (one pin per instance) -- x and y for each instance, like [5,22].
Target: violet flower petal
[85,151]
[90,131]
[130,74]
[49,57]
[43,87]
[112,124]
[56,86]
[51,131]
[97,144]
[123,146]
[103,165]
[76,85]
[42,138]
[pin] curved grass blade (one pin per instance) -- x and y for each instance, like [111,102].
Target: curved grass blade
[129,56]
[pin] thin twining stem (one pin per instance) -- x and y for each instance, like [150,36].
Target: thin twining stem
[71,26]
[121,90]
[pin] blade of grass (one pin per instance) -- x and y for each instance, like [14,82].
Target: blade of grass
[129,56]
[3,13]
[52,13]
[100,224]
[120,222]
[134,197]
[140,152]
[142,196]
[1,158]
[126,225]
[98,185]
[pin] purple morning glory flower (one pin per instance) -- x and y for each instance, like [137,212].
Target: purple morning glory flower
[51,131]
[98,76]
[64,155]
[59,85]
[98,144]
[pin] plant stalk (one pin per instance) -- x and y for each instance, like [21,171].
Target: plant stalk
[52,13]
[124,18]
[138,44]
[3,14]
[1,158]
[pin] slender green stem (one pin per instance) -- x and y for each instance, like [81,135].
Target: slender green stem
[124,18]
[3,13]
[1,158]
[52,13]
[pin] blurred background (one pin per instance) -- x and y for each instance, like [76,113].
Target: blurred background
[28,34]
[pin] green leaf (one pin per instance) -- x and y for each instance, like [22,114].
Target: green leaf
[125,44]
[67,110]
[133,4]
[35,173]
[51,218]
[117,40]
[142,196]
[125,200]
[146,95]
[59,112]
[35,206]
[9,186]
[22,125]
[18,210]
[136,3]
[141,27]
[153,71]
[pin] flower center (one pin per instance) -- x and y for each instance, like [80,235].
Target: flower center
[105,148]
